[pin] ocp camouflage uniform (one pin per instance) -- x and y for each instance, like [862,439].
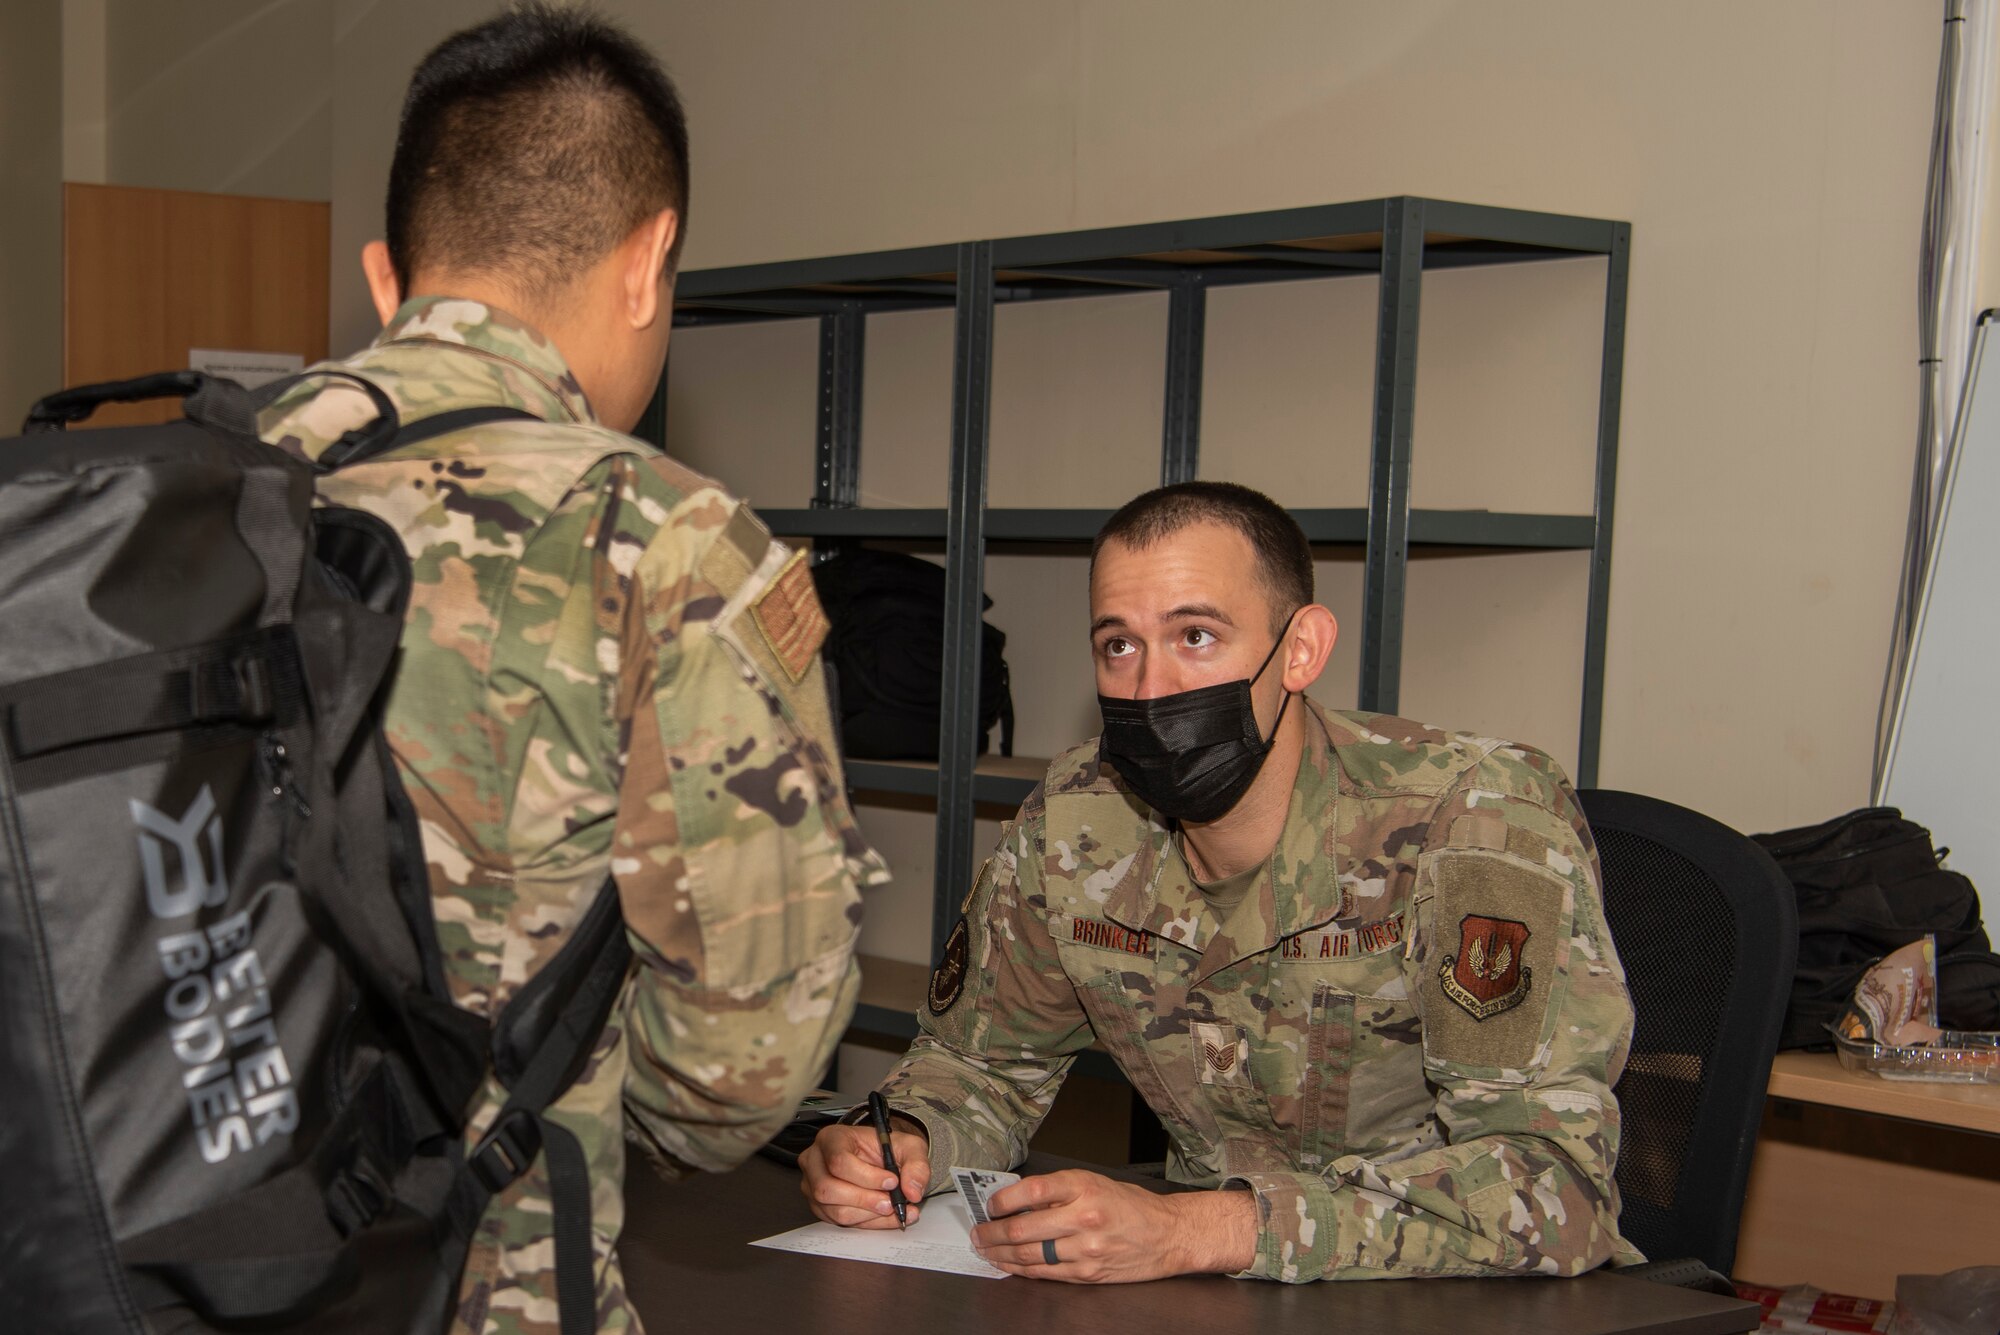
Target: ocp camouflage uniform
[608,668]
[1322,1044]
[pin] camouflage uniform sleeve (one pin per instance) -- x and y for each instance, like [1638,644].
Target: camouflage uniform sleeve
[1001,1024]
[736,856]
[1526,1024]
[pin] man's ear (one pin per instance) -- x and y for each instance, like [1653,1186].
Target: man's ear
[383,285]
[645,254]
[1308,646]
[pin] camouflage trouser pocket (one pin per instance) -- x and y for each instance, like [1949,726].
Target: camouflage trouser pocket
[1324,1087]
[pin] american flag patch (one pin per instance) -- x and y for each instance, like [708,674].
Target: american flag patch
[789,617]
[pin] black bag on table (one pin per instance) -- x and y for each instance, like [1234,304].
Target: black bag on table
[235,1084]
[1868,883]
[886,647]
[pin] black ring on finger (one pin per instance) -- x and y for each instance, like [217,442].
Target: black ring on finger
[1049,1252]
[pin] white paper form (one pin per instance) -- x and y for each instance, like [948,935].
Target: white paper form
[941,1239]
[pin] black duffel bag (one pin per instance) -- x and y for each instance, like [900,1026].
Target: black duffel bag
[1868,883]
[236,1080]
[887,651]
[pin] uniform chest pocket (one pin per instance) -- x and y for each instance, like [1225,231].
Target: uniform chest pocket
[1200,1069]
[1328,1061]
[1122,1011]
[1364,1090]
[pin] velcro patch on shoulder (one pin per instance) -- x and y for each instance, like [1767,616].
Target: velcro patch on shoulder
[1499,932]
[1484,829]
[747,535]
[1489,829]
[789,617]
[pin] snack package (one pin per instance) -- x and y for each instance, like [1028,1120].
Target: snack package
[1805,1310]
[1891,1026]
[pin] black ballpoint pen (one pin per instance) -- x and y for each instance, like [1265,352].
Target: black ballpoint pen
[880,1112]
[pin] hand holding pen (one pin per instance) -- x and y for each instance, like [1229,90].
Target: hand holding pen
[846,1180]
[879,1111]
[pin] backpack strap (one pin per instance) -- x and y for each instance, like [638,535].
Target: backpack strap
[426,428]
[553,1022]
[368,436]
[385,431]
[249,678]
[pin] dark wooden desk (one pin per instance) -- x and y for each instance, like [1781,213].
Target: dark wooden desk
[689,1267]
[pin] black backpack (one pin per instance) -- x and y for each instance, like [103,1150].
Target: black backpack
[886,647]
[235,1084]
[1868,883]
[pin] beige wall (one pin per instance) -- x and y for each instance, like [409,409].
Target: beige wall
[1770,158]
[231,97]
[84,34]
[376,45]
[31,150]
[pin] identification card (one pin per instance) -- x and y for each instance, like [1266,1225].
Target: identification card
[977,1185]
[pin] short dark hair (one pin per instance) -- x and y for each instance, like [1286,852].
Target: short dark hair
[530,146]
[1284,557]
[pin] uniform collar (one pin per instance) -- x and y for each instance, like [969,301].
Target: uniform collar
[495,334]
[1300,889]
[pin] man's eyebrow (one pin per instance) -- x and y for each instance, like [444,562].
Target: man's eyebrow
[1200,612]
[1185,612]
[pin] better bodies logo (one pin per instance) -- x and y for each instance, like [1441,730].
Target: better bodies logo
[238,1083]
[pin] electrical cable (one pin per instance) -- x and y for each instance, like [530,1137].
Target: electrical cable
[1934,415]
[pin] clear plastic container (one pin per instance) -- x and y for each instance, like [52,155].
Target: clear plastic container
[1956,1058]
[1891,1027]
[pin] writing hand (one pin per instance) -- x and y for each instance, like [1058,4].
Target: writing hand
[845,1183]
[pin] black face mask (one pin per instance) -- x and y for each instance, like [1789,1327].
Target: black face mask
[1193,755]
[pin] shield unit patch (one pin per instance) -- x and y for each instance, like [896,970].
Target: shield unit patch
[1486,976]
[948,978]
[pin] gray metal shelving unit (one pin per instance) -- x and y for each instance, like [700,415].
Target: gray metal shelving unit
[1397,238]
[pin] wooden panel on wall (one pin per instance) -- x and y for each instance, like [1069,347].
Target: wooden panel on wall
[150,274]
[1849,1201]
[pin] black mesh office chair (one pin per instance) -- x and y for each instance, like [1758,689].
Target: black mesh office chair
[1707,927]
